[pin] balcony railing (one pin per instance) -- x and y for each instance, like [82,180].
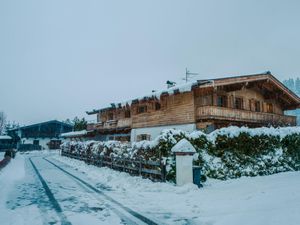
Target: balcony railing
[110,124]
[229,114]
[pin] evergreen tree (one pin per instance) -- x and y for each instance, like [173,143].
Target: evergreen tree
[297,86]
[11,125]
[290,83]
[68,121]
[79,124]
[2,122]
[286,83]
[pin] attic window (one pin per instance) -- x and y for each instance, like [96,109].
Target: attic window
[157,106]
[127,114]
[176,91]
[135,101]
[142,109]
[110,116]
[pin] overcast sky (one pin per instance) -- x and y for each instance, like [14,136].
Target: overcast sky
[59,58]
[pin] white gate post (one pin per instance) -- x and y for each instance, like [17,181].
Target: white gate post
[184,152]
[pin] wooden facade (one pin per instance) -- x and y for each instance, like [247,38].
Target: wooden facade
[251,100]
[178,108]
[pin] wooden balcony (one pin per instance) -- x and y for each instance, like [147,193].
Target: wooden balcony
[229,114]
[110,125]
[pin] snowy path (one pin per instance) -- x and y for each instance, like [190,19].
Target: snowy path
[116,204]
[265,200]
[51,189]
[58,197]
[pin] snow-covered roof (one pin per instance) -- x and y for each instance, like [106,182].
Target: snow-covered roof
[74,133]
[184,146]
[187,87]
[5,137]
[181,88]
[42,123]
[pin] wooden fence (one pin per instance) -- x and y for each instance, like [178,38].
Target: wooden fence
[155,171]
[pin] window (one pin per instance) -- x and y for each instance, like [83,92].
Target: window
[257,106]
[110,116]
[205,100]
[222,101]
[238,103]
[142,109]
[54,144]
[269,108]
[127,114]
[111,138]
[157,106]
[98,117]
[143,137]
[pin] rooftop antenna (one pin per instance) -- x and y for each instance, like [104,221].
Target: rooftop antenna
[189,75]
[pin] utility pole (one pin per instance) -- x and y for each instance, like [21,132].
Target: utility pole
[189,75]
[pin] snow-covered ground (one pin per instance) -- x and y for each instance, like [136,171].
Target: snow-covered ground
[260,200]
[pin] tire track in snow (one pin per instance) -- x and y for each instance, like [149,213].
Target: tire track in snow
[124,219]
[53,201]
[130,211]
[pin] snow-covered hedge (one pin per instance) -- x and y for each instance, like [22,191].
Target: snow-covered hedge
[108,148]
[225,153]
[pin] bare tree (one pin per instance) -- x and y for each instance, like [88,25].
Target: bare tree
[2,122]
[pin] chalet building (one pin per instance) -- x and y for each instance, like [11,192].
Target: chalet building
[250,100]
[46,135]
[6,142]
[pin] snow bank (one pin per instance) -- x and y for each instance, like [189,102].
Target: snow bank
[5,137]
[9,176]
[256,200]
[13,171]
[74,133]
[116,180]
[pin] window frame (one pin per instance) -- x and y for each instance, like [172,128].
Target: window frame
[127,113]
[142,109]
[241,103]
[157,106]
[222,100]
[257,106]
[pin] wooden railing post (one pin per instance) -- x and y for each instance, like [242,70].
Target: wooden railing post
[140,167]
[100,161]
[163,172]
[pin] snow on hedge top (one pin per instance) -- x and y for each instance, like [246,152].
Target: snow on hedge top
[234,131]
[74,133]
[5,137]
[183,146]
